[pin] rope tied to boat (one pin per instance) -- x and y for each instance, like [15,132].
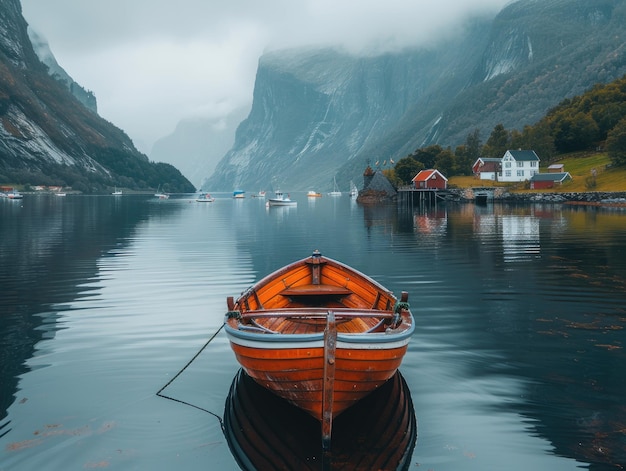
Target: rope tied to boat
[400,306]
[397,313]
[160,391]
[234,315]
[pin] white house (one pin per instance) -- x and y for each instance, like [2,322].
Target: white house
[487,168]
[519,165]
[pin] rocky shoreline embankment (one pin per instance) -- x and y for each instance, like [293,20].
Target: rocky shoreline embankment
[587,197]
[591,197]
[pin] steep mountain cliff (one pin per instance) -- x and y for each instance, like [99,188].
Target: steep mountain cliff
[48,137]
[43,51]
[321,113]
[313,110]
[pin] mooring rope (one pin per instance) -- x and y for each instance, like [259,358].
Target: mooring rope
[159,392]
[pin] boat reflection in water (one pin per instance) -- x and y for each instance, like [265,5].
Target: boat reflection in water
[265,432]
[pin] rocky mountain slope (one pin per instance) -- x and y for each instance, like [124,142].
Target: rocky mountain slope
[47,136]
[317,114]
[45,55]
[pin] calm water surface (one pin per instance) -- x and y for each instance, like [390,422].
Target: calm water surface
[517,362]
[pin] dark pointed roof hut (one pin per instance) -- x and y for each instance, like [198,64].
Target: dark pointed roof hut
[376,188]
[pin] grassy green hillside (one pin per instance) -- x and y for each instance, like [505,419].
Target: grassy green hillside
[579,165]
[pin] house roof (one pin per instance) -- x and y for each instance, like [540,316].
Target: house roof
[490,166]
[380,183]
[523,155]
[550,177]
[424,175]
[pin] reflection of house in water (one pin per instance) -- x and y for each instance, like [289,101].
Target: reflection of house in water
[520,237]
[519,233]
[431,222]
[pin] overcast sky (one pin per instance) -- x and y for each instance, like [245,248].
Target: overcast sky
[152,63]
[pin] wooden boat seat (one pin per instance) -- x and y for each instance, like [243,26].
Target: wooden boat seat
[316,290]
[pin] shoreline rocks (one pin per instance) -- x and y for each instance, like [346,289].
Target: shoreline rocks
[499,195]
[584,197]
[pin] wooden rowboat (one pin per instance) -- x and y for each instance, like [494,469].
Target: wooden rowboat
[319,334]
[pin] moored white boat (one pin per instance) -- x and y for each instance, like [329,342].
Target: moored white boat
[205,198]
[161,195]
[335,191]
[14,195]
[354,192]
[280,199]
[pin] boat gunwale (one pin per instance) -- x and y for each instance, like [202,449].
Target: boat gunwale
[316,312]
[393,335]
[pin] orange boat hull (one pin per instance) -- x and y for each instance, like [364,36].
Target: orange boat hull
[297,375]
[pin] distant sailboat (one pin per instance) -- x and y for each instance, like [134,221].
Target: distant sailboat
[335,191]
[354,192]
[161,194]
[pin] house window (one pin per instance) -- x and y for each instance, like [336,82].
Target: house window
[507,164]
[533,164]
[520,164]
[507,173]
[520,173]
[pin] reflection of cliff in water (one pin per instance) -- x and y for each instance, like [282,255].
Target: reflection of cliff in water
[265,432]
[48,248]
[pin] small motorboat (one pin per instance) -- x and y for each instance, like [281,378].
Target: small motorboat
[319,334]
[14,195]
[205,198]
[314,194]
[238,194]
[280,199]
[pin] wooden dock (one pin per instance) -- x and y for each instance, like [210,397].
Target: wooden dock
[409,196]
